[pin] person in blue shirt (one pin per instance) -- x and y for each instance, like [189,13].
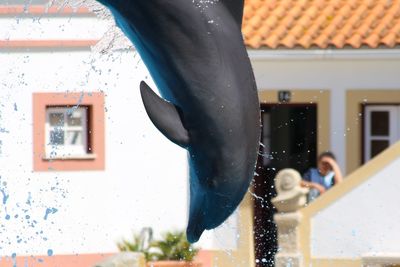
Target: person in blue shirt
[322,178]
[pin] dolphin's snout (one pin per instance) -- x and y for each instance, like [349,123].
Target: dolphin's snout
[213,199]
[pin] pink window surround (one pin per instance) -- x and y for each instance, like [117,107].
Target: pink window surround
[95,104]
[80,260]
[20,44]
[42,10]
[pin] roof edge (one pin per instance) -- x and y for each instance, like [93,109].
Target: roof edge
[320,54]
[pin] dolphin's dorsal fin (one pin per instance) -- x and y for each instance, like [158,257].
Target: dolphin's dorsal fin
[164,115]
[235,7]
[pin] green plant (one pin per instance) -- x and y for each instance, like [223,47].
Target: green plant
[174,246]
[135,246]
[126,245]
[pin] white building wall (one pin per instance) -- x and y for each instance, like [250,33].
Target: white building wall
[26,27]
[365,221]
[336,72]
[145,180]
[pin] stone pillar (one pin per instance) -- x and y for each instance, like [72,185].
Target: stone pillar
[288,240]
[291,197]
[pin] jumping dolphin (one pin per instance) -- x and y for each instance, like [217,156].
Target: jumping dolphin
[197,58]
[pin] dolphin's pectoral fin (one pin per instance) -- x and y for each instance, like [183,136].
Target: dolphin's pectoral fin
[235,7]
[165,116]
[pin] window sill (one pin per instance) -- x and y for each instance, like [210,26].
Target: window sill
[72,157]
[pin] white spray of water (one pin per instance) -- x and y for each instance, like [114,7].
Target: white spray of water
[113,39]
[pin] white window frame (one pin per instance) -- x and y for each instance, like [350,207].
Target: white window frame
[394,127]
[67,151]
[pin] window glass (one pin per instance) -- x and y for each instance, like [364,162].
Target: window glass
[74,118]
[380,123]
[66,132]
[382,128]
[56,119]
[57,137]
[377,146]
[74,138]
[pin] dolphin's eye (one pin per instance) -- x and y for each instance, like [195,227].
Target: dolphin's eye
[211,182]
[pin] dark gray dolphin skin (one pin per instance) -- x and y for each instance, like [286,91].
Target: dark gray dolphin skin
[197,58]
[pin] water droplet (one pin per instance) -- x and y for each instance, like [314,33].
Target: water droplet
[50,252]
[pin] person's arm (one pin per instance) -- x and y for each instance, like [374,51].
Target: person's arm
[307,182]
[338,178]
[310,185]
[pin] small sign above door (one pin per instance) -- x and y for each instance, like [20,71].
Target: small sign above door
[284,96]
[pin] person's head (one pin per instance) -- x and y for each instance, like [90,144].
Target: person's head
[323,166]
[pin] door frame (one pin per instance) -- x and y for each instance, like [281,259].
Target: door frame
[319,97]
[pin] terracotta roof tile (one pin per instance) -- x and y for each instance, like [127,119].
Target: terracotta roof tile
[339,40]
[321,23]
[373,40]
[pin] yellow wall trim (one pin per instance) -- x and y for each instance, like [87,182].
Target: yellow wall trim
[335,263]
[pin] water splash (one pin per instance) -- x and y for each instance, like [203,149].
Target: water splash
[113,39]
[49,211]
[14,259]
[29,200]
[50,252]
[77,105]
[5,196]
[204,4]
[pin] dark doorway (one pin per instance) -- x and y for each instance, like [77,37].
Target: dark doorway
[289,140]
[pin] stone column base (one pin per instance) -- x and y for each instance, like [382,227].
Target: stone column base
[124,259]
[288,260]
